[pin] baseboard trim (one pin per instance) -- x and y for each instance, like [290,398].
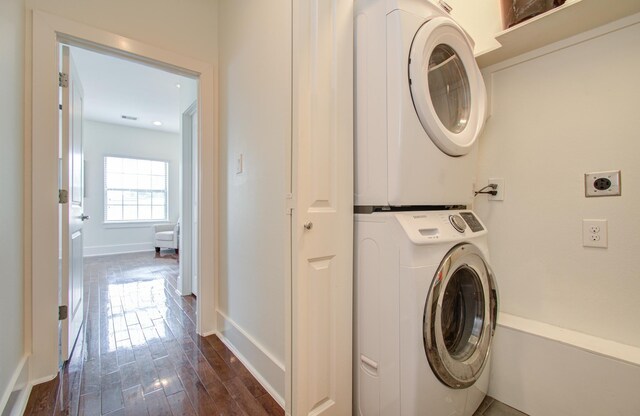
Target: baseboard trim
[209,333]
[269,372]
[18,383]
[93,251]
[541,369]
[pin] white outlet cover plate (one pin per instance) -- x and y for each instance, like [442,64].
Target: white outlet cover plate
[594,233]
[500,195]
[590,179]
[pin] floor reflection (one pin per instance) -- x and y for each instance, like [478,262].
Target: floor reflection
[139,353]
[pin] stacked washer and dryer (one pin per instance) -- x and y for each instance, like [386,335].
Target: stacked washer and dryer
[425,297]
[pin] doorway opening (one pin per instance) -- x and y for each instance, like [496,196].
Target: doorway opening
[126,180]
[49,31]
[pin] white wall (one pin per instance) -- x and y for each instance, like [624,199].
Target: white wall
[11,182]
[103,139]
[556,117]
[482,19]
[255,120]
[189,28]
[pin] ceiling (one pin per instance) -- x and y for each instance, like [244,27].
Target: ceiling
[114,87]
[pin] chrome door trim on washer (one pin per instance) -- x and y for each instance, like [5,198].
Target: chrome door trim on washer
[459,364]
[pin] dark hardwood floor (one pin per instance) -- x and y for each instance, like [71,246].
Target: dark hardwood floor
[139,354]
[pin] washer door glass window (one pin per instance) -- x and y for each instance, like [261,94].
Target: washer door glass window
[446,86]
[462,313]
[460,317]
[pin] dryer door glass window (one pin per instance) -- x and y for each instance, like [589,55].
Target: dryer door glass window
[449,88]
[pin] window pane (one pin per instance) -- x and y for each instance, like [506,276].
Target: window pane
[129,181]
[144,212]
[144,198]
[144,167]
[114,180]
[114,197]
[158,168]
[130,212]
[157,182]
[158,213]
[114,164]
[130,198]
[130,165]
[144,182]
[114,212]
[158,198]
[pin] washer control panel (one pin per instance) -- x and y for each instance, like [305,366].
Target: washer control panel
[473,222]
[430,227]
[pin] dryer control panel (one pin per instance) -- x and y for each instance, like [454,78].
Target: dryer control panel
[429,227]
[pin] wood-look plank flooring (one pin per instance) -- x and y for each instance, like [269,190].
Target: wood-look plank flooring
[139,354]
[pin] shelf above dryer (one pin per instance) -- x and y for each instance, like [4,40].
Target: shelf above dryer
[572,18]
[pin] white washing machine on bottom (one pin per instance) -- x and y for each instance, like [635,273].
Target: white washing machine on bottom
[425,313]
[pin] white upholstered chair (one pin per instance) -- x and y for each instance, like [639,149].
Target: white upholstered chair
[166,236]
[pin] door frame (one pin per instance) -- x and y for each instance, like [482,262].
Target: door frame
[42,157]
[187,248]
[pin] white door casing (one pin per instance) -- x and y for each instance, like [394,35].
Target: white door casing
[194,203]
[323,214]
[41,158]
[72,212]
[188,197]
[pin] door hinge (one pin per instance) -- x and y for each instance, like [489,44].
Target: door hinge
[63,312]
[289,204]
[63,80]
[63,196]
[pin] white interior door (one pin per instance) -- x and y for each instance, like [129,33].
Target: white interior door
[72,211]
[194,203]
[323,214]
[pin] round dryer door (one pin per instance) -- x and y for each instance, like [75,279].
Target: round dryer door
[460,317]
[446,86]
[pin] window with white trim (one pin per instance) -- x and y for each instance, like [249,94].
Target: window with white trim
[135,189]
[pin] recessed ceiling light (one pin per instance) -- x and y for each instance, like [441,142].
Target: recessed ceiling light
[157,123]
[178,85]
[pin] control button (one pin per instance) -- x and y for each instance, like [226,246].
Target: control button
[458,223]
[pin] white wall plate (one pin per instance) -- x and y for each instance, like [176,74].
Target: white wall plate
[602,183]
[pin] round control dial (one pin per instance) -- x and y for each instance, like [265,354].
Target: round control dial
[458,223]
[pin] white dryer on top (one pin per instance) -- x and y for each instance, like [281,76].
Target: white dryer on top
[420,105]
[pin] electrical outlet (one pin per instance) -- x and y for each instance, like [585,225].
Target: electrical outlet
[500,195]
[602,183]
[594,233]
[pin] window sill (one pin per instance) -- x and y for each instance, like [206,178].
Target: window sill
[133,224]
